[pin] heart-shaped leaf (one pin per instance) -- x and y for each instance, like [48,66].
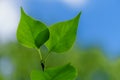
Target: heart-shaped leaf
[63,35]
[66,72]
[31,33]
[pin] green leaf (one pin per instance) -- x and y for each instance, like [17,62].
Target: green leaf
[31,33]
[63,35]
[66,72]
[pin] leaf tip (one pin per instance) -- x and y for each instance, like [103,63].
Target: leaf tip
[22,10]
[79,14]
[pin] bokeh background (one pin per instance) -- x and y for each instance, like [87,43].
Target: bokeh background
[96,53]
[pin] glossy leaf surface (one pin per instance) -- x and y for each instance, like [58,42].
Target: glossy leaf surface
[63,35]
[66,72]
[31,33]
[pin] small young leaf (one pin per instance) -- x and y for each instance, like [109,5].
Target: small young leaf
[63,35]
[66,72]
[31,33]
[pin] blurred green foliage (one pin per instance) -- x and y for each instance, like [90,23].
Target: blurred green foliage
[91,63]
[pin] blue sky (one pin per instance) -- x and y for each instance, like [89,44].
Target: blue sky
[100,20]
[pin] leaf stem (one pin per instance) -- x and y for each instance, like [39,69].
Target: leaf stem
[47,56]
[40,54]
[42,62]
